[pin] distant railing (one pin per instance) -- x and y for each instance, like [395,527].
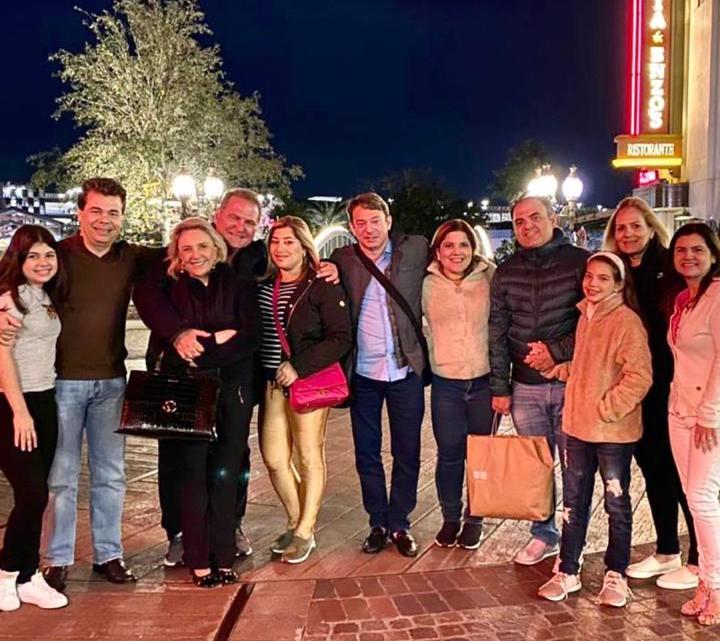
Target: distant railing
[331,238]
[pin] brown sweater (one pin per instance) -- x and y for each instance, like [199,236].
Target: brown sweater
[610,374]
[92,341]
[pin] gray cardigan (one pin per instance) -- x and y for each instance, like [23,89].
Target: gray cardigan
[410,255]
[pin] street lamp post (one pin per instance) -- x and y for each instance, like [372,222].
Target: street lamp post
[543,184]
[572,189]
[183,188]
[213,189]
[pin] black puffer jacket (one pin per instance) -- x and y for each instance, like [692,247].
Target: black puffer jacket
[533,298]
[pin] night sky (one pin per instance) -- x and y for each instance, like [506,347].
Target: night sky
[354,89]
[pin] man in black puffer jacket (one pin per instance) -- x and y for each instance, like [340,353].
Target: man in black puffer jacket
[532,327]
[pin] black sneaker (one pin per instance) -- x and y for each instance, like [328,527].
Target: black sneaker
[405,543]
[174,555]
[470,536]
[447,536]
[375,541]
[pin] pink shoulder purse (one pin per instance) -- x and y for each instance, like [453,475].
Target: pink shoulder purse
[326,388]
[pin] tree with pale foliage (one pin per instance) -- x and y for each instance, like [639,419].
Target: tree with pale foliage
[153,102]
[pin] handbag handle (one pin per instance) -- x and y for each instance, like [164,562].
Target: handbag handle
[276,318]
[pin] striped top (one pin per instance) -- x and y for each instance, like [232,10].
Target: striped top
[270,350]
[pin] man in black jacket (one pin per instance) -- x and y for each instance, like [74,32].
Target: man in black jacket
[388,364]
[532,327]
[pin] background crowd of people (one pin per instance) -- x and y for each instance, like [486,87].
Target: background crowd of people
[606,356]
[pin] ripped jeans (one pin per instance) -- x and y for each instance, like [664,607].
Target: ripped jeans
[582,460]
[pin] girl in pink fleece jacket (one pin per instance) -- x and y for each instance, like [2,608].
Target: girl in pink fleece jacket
[608,377]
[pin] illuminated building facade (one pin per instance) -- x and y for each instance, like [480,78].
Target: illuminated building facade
[673,107]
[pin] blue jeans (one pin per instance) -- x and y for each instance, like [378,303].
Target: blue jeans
[459,408]
[582,461]
[406,406]
[93,407]
[537,411]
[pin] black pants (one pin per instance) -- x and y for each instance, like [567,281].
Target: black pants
[664,491]
[199,481]
[170,497]
[27,473]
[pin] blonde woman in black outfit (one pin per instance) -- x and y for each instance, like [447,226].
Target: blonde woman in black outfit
[212,297]
[635,233]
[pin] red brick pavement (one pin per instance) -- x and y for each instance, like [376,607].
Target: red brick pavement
[493,603]
[341,593]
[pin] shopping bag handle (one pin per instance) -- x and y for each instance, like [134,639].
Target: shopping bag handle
[497,417]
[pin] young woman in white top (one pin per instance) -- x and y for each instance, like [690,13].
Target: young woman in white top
[28,416]
[694,406]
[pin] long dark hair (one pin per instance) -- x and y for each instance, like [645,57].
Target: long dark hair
[676,283]
[11,264]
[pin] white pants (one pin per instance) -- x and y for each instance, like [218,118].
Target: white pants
[700,477]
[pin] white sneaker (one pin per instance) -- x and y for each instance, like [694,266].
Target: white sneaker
[39,593]
[559,586]
[615,591]
[535,551]
[684,578]
[8,591]
[652,566]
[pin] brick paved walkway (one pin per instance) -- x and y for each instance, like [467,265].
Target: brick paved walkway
[341,593]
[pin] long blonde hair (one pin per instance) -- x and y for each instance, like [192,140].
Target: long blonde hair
[173,255]
[302,232]
[651,220]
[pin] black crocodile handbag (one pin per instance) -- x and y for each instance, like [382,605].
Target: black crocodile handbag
[161,405]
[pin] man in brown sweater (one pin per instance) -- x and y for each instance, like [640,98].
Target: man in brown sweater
[100,271]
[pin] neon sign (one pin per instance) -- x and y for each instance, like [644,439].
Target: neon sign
[648,86]
[650,143]
[648,150]
[656,67]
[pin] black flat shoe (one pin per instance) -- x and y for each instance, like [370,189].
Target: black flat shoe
[228,576]
[115,571]
[211,580]
[405,543]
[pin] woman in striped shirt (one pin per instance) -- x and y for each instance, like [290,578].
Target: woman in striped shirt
[314,316]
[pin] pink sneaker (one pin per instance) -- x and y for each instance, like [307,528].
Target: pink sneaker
[535,551]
